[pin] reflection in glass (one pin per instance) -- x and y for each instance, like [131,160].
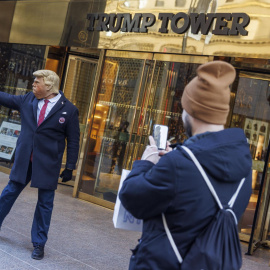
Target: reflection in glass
[133,95]
[110,132]
[78,88]
[170,80]
[17,64]
[261,232]
[252,113]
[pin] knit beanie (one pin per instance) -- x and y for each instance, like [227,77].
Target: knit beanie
[207,96]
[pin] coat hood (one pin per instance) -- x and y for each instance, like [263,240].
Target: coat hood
[224,155]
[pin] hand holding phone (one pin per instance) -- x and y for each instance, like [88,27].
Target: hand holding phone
[151,152]
[160,134]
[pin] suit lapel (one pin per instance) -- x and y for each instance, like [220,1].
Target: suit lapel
[35,106]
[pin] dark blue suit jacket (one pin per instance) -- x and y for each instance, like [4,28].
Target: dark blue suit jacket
[47,142]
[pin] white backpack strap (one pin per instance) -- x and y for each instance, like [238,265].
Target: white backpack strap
[169,235]
[211,188]
[234,197]
[205,177]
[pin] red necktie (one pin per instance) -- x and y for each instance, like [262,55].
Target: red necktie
[41,117]
[42,112]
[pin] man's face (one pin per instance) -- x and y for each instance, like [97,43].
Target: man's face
[40,90]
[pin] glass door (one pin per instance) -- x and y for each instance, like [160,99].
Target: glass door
[79,81]
[260,234]
[162,101]
[136,91]
[251,112]
[119,99]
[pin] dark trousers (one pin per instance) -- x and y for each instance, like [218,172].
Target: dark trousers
[43,212]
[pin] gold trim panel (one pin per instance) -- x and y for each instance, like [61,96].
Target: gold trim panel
[85,136]
[182,58]
[5,170]
[6,17]
[92,199]
[127,54]
[244,237]
[252,75]
[39,22]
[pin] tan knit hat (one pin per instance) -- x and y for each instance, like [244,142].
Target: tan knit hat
[207,96]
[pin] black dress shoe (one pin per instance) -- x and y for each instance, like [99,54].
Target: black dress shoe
[38,253]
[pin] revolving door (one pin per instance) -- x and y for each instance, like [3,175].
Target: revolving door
[136,91]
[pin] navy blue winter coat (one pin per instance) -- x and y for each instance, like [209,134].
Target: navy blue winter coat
[47,142]
[175,186]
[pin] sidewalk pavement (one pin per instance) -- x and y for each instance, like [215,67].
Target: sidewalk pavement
[81,237]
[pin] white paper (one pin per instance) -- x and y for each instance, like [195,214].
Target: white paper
[9,133]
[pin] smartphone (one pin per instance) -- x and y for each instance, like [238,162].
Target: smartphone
[160,134]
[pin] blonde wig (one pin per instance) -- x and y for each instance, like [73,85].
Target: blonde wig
[50,78]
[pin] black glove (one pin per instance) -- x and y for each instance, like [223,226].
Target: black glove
[66,175]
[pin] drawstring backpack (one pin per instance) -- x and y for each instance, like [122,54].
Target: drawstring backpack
[217,247]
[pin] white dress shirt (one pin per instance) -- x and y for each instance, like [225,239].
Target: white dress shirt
[52,102]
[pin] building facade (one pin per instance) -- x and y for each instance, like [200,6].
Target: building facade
[125,64]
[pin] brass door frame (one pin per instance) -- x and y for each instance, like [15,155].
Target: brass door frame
[164,58]
[129,54]
[147,92]
[263,223]
[192,59]
[82,127]
[263,220]
[141,88]
[153,57]
[120,54]
[88,124]
[77,57]
[134,115]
